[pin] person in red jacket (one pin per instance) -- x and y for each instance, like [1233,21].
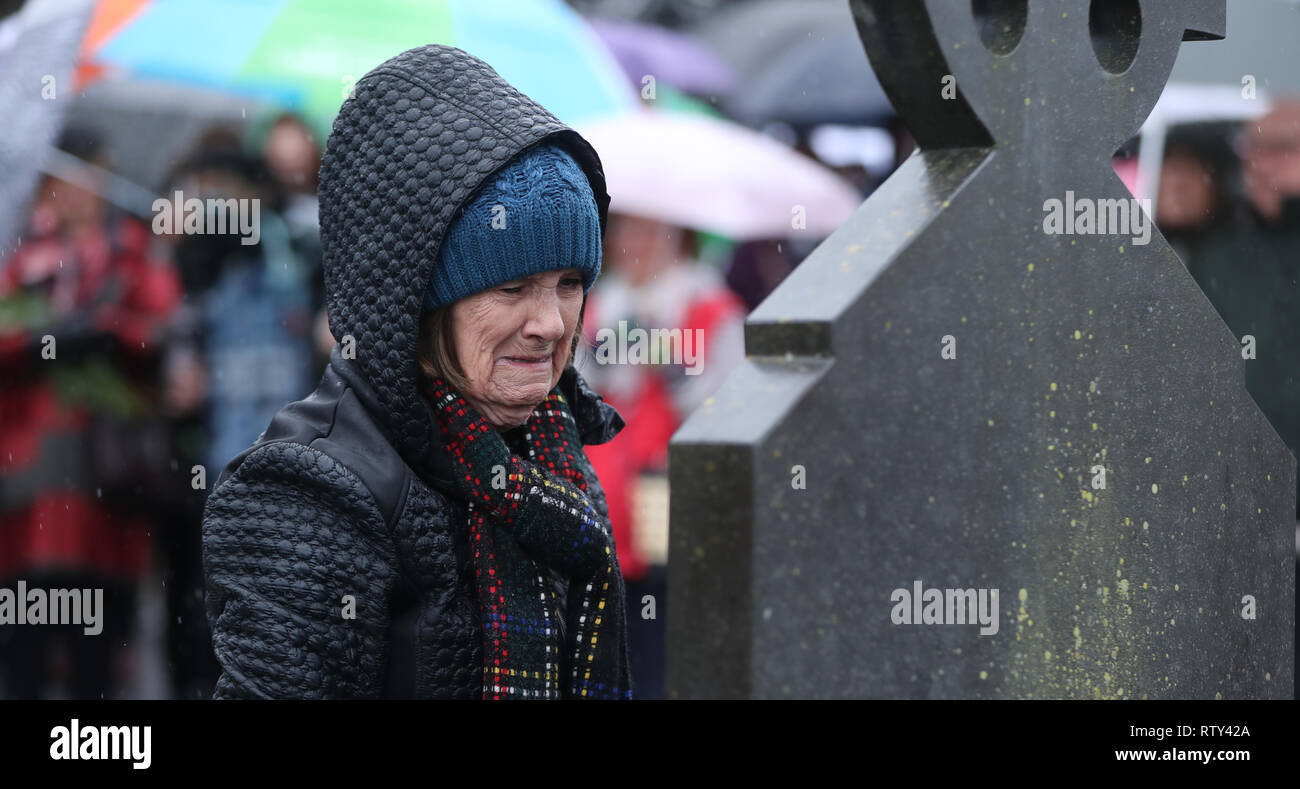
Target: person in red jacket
[83,306]
[657,287]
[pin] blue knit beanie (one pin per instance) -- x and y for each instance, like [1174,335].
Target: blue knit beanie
[547,221]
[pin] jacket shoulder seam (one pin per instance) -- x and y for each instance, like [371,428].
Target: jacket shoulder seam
[282,442]
[366,481]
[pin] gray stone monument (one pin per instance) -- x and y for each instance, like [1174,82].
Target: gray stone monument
[990,439]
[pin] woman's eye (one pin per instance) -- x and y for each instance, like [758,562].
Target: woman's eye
[571,282]
[513,291]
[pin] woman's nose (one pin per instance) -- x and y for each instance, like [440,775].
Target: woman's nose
[544,318]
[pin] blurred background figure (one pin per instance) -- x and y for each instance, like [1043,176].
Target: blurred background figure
[1250,268]
[249,309]
[1194,199]
[242,348]
[1270,151]
[293,157]
[83,305]
[652,280]
[292,154]
[757,267]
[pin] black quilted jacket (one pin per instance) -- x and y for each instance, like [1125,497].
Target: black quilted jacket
[335,548]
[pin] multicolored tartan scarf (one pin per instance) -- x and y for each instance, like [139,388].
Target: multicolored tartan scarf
[527,515]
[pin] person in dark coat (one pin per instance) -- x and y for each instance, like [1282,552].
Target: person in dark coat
[1250,269]
[426,523]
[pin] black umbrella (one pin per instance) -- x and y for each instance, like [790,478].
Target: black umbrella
[825,79]
[748,35]
[151,126]
[799,61]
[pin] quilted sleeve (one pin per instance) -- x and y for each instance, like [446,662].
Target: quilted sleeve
[299,569]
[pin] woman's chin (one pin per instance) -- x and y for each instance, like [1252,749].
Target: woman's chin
[530,389]
[513,413]
[510,419]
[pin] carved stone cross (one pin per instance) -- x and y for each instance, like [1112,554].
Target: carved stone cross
[995,379]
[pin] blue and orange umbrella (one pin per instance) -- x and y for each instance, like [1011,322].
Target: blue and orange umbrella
[305,54]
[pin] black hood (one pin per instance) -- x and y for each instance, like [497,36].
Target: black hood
[417,138]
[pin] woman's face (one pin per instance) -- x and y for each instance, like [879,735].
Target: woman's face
[513,342]
[639,248]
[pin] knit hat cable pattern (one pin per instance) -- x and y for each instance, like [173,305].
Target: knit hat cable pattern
[536,214]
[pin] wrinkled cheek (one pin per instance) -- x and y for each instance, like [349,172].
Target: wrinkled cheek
[485,368]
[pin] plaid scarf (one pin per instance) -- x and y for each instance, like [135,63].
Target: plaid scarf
[527,515]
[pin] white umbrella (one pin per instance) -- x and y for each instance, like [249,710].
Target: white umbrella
[709,174]
[37,47]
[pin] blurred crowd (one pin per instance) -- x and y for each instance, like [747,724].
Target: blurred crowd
[176,350]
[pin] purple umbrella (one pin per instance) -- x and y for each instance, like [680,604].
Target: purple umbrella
[669,56]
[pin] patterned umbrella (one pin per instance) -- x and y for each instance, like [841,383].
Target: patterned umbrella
[306,54]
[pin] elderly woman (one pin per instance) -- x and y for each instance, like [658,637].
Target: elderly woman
[426,523]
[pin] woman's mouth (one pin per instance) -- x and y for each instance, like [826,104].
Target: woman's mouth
[528,361]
